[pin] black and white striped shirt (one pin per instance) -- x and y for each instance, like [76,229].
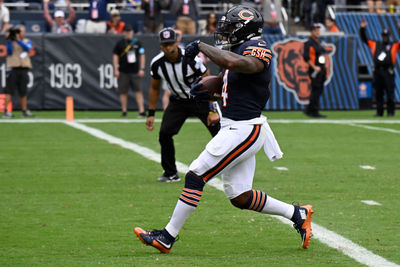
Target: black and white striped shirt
[178,76]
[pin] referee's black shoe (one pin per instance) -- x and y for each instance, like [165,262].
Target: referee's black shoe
[167,179]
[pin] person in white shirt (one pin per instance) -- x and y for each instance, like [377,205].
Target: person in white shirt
[4,17]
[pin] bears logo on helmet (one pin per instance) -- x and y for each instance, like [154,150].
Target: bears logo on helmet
[239,24]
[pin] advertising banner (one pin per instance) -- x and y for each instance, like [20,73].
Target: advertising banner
[80,65]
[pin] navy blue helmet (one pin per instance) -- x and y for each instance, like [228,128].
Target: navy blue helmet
[239,24]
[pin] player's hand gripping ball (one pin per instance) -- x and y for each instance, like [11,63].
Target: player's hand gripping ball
[207,88]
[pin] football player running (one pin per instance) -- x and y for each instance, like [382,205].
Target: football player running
[246,61]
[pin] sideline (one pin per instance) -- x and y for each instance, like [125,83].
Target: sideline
[320,233]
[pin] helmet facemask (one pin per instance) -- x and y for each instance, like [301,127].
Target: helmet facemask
[224,34]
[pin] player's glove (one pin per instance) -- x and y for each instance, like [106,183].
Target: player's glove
[198,95]
[192,49]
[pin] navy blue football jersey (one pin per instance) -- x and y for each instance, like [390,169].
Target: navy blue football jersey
[245,95]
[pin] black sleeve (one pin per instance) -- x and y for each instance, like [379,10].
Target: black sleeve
[363,35]
[154,71]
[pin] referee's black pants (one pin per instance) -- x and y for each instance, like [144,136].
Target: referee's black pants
[177,112]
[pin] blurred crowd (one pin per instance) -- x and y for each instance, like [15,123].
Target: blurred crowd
[59,16]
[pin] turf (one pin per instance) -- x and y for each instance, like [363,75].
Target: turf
[69,199]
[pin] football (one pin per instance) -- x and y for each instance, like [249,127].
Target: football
[213,84]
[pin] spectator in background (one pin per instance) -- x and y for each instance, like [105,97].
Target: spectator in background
[330,24]
[19,63]
[392,4]
[321,9]
[153,18]
[187,12]
[129,64]
[115,25]
[210,26]
[354,3]
[307,8]
[4,17]
[97,22]
[272,16]
[59,24]
[296,10]
[375,6]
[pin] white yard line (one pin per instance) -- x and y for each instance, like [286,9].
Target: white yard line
[371,202]
[281,168]
[320,233]
[344,245]
[367,167]
[374,128]
[31,120]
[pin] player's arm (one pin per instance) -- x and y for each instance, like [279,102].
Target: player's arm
[153,98]
[232,61]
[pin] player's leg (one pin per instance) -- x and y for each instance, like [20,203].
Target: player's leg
[187,203]
[238,182]
[211,161]
[172,121]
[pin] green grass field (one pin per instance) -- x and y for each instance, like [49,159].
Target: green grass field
[68,198]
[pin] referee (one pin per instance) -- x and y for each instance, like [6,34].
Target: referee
[178,74]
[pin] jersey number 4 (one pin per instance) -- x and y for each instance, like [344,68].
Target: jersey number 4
[224,93]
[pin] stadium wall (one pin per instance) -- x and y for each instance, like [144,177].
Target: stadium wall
[80,65]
